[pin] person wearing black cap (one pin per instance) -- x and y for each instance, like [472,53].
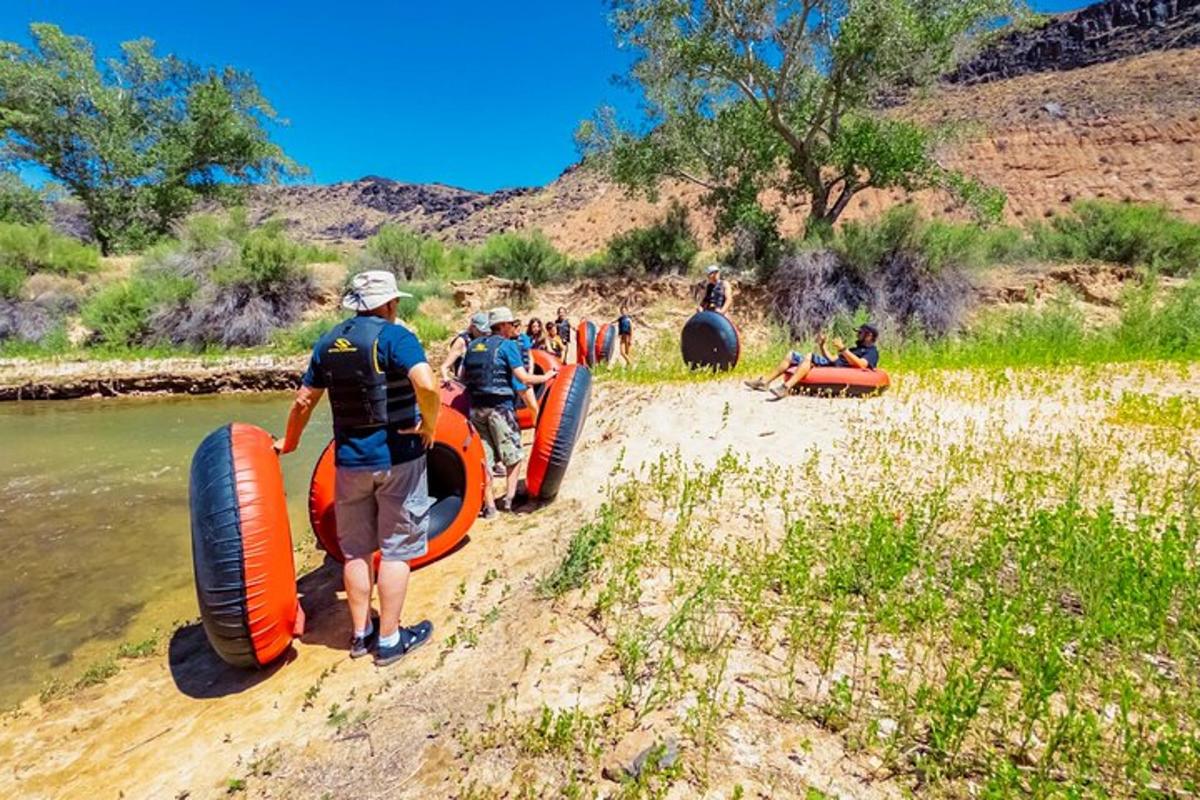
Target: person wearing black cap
[864,355]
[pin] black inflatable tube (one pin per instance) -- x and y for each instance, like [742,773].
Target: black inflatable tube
[710,341]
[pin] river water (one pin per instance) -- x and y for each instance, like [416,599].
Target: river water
[95,547]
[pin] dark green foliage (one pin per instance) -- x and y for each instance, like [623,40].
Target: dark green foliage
[668,246]
[137,139]
[19,203]
[1123,233]
[521,257]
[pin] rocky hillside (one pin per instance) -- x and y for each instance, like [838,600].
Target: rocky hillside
[1124,129]
[1100,33]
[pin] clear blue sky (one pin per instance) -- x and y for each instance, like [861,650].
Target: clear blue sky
[482,94]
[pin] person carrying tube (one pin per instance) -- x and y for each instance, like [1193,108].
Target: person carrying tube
[717,294]
[477,326]
[495,375]
[385,403]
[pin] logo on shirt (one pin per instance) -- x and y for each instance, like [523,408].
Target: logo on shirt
[479,347]
[342,346]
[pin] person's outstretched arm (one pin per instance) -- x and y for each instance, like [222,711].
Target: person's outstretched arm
[529,379]
[456,350]
[821,345]
[302,408]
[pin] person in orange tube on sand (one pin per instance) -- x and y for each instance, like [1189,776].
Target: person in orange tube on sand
[864,355]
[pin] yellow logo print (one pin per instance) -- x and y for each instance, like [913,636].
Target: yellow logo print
[342,346]
[479,348]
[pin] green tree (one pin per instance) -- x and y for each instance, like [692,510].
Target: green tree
[748,95]
[138,139]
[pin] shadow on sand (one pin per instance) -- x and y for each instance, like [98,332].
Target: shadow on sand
[198,672]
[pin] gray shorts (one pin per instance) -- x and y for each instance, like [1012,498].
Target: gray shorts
[500,433]
[385,510]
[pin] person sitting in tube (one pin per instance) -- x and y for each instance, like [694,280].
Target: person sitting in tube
[385,403]
[717,294]
[495,375]
[477,326]
[864,355]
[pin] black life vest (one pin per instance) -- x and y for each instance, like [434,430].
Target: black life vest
[714,295]
[361,393]
[484,373]
[564,330]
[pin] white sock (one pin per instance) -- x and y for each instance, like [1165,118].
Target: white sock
[366,631]
[390,641]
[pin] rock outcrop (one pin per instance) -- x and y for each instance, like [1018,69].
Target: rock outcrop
[1106,31]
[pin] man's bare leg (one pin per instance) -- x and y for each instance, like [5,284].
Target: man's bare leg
[393,586]
[356,574]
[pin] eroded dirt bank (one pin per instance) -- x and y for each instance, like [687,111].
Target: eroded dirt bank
[319,725]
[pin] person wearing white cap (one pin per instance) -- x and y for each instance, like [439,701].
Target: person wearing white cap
[477,326]
[495,375]
[717,294]
[385,403]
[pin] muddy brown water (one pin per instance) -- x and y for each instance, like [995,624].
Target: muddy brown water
[95,547]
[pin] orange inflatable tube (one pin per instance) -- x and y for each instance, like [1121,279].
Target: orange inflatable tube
[456,484]
[543,363]
[841,381]
[558,430]
[242,547]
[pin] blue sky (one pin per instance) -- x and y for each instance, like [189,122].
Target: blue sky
[474,93]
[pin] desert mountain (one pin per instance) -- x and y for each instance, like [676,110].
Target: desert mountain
[1098,103]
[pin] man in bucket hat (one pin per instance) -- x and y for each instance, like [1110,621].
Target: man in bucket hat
[495,375]
[864,355]
[385,405]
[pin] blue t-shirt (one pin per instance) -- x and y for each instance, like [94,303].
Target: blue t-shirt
[377,447]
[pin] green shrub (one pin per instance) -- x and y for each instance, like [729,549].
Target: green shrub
[12,278]
[267,260]
[19,203]
[410,256]
[865,245]
[119,314]
[521,257]
[37,248]
[1122,233]
[668,246]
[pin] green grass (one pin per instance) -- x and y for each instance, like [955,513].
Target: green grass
[1022,620]
[1056,335]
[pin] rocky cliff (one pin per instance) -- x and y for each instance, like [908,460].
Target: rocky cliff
[1103,32]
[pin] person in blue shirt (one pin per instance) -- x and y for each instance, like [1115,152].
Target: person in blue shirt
[625,335]
[495,375]
[385,403]
[864,355]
